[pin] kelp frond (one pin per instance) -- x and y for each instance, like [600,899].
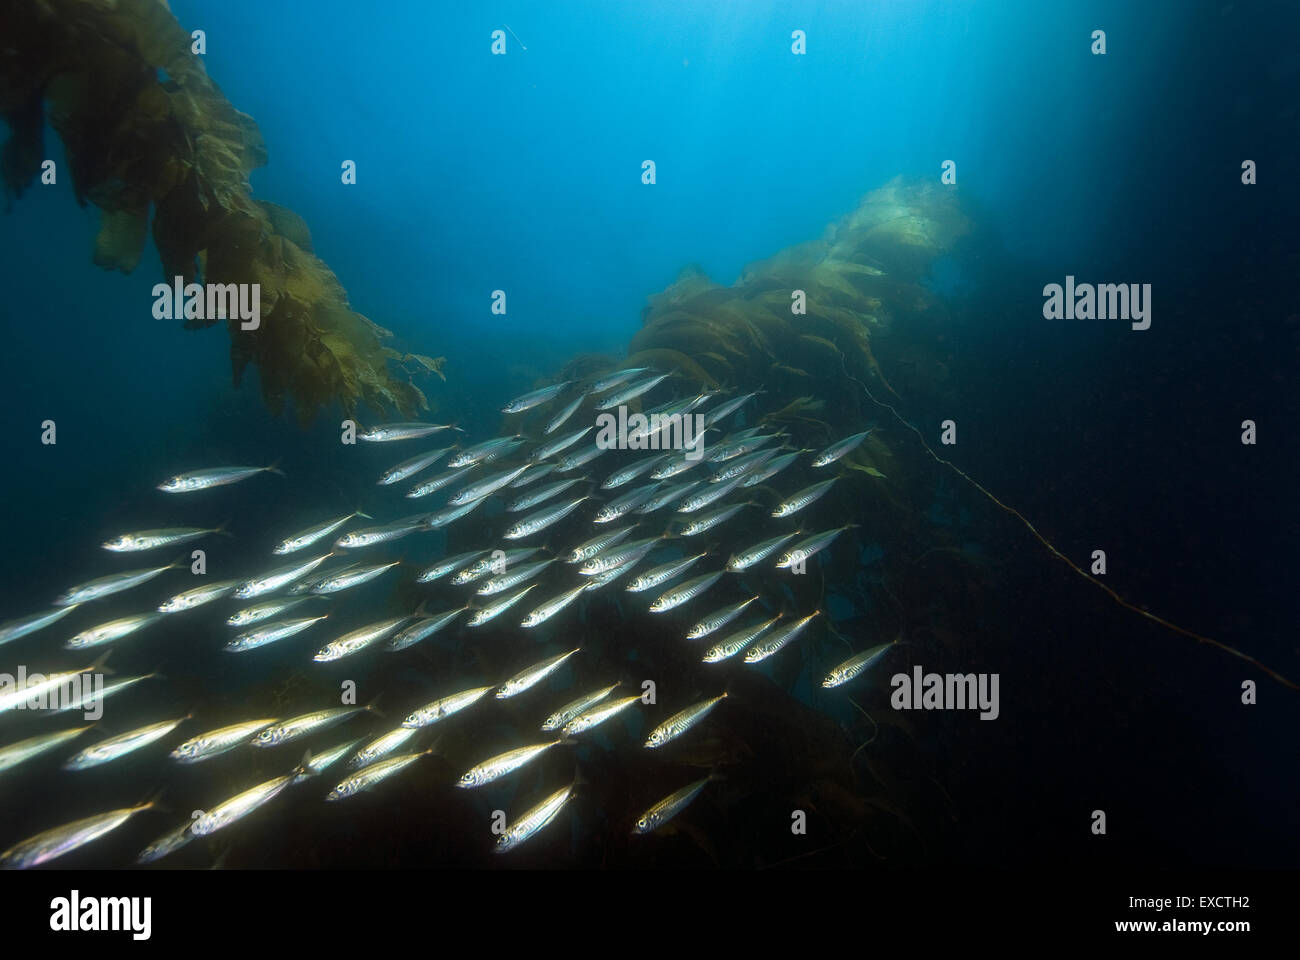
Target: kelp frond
[144,128]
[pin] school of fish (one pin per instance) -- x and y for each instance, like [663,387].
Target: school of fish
[614,522]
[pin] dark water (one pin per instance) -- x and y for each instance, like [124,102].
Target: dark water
[522,172]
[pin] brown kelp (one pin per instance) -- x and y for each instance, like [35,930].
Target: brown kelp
[144,126]
[811,304]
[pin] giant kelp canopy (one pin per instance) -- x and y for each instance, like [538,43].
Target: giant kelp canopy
[857,280]
[143,126]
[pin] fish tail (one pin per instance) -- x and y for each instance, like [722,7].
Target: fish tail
[275,468]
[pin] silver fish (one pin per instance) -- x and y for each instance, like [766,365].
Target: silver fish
[587,550]
[711,520]
[574,707]
[196,597]
[678,465]
[534,820]
[532,476]
[662,498]
[242,804]
[718,619]
[547,450]
[628,474]
[605,577]
[446,515]
[409,468]
[266,610]
[444,707]
[387,432]
[122,744]
[724,410]
[446,566]
[497,607]
[710,495]
[486,487]
[505,581]
[98,696]
[271,632]
[423,629]
[684,592]
[169,842]
[663,573]
[530,676]
[729,646]
[64,839]
[680,722]
[632,392]
[541,495]
[729,447]
[773,467]
[309,536]
[494,768]
[381,746]
[320,762]
[368,776]
[385,533]
[539,521]
[618,556]
[758,552]
[837,450]
[612,380]
[443,479]
[496,562]
[669,807]
[535,398]
[305,586]
[744,465]
[806,548]
[626,503]
[559,419]
[153,539]
[660,419]
[219,741]
[215,477]
[308,723]
[280,577]
[113,583]
[32,747]
[769,645]
[357,640]
[854,666]
[24,626]
[113,630]
[575,461]
[801,499]
[553,606]
[478,452]
[593,717]
[353,578]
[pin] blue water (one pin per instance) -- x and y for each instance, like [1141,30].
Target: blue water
[521,173]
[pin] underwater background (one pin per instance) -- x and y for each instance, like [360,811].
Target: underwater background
[523,172]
